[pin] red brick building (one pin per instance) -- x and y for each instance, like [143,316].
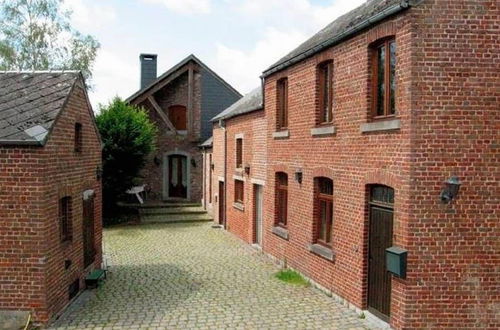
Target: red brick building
[181,102]
[239,167]
[370,125]
[50,191]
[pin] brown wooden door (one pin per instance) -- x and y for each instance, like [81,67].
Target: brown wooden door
[177,176]
[88,231]
[177,116]
[221,203]
[380,238]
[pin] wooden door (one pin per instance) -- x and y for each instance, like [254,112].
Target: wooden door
[380,238]
[221,203]
[258,214]
[177,116]
[177,176]
[88,229]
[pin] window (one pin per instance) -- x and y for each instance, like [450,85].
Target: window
[282,103]
[239,153]
[325,91]
[238,191]
[78,137]
[65,218]
[324,211]
[384,82]
[281,199]
[177,116]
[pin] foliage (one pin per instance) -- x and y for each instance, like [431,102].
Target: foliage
[128,137]
[36,35]
[291,277]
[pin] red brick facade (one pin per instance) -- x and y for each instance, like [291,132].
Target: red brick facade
[447,124]
[34,271]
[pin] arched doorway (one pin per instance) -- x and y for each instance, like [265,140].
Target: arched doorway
[381,206]
[178,177]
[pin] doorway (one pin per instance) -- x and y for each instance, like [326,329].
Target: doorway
[177,176]
[221,203]
[381,208]
[88,228]
[258,199]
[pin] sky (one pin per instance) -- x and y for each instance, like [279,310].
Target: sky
[238,39]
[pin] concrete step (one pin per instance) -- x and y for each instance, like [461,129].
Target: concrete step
[167,218]
[172,210]
[149,205]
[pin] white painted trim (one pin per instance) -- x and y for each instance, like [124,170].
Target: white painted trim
[258,181]
[281,134]
[220,178]
[239,136]
[87,194]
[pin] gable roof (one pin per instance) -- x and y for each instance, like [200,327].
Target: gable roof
[208,143]
[345,26]
[30,103]
[174,69]
[248,103]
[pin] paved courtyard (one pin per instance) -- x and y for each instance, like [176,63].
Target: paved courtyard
[192,276]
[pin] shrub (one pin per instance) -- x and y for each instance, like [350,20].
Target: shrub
[128,137]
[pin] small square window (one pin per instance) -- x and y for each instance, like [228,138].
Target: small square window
[239,193]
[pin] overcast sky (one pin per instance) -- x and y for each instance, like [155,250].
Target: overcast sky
[238,39]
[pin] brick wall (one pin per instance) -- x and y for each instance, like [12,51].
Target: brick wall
[251,128]
[447,103]
[218,156]
[33,275]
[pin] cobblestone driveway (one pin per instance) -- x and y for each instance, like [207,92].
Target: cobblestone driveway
[191,276]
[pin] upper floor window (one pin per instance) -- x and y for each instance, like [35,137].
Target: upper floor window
[65,217]
[324,211]
[325,91]
[239,191]
[177,114]
[282,91]
[383,77]
[78,137]
[281,199]
[239,153]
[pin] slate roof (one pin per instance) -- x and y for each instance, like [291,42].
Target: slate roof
[343,27]
[30,103]
[208,143]
[174,69]
[248,103]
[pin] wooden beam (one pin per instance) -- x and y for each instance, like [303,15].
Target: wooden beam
[158,86]
[161,113]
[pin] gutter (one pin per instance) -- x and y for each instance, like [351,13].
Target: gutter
[21,143]
[389,11]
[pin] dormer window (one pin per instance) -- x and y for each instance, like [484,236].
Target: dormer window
[383,79]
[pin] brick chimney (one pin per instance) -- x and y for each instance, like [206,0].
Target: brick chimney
[148,69]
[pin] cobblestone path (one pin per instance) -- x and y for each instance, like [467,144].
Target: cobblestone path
[192,276]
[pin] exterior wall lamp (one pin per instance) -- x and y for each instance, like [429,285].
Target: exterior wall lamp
[298,176]
[450,191]
[193,162]
[247,169]
[98,172]
[212,166]
[156,160]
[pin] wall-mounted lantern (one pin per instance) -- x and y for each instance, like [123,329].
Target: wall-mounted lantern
[298,176]
[450,191]
[193,162]
[98,172]
[247,169]
[157,160]
[212,166]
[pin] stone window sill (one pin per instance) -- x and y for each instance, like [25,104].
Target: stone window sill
[239,206]
[281,232]
[383,125]
[285,134]
[323,131]
[322,251]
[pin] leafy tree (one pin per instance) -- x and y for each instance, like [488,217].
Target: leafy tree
[128,137]
[36,35]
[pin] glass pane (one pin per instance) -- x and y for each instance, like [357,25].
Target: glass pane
[329,221]
[323,219]
[381,81]
[382,194]
[392,47]
[326,186]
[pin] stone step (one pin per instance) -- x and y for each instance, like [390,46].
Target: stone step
[149,205]
[172,210]
[167,218]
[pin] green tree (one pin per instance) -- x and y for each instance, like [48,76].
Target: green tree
[128,137]
[36,35]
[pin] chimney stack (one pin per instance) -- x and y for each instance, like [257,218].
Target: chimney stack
[148,69]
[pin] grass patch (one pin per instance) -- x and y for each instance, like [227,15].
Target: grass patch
[291,277]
